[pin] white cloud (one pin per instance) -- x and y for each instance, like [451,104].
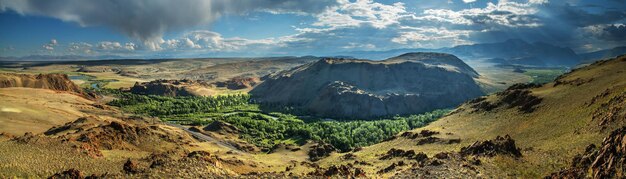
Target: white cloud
[504,13]
[469,1]
[352,45]
[431,37]
[50,45]
[352,14]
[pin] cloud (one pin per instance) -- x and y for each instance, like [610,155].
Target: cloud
[50,45]
[503,13]
[352,14]
[608,32]
[148,20]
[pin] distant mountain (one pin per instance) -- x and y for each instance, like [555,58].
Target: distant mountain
[603,54]
[513,51]
[363,89]
[59,58]
[436,59]
[518,52]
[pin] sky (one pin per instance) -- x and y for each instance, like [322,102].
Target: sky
[215,28]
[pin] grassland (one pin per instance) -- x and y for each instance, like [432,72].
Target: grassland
[541,76]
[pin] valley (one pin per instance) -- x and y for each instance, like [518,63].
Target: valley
[230,133]
[389,89]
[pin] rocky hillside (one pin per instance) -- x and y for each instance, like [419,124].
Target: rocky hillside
[345,88]
[188,87]
[57,82]
[168,87]
[569,128]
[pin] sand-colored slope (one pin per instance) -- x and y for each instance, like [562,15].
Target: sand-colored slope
[36,110]
[561,126]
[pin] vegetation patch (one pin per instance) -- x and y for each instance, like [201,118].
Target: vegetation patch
[269,129]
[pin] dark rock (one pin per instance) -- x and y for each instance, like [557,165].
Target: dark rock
[130,166]
[501,145]
[320,151]
[427,133]
[409,154]
[68,174]
[428,140]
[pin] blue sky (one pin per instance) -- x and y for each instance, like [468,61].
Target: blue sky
[211,28]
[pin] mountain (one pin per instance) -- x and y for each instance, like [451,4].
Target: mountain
[518,52]
[59,58]
[511,52]
[350,88]
[603,54]
[436,59]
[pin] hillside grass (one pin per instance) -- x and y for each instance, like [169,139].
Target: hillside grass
[549,137]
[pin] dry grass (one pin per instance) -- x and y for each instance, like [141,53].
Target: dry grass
[560,128]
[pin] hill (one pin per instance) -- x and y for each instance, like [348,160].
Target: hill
[349,88]
[57,82]
[549,125]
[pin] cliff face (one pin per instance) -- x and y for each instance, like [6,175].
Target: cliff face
[367,89]
[57,82]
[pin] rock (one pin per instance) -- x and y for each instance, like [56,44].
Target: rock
[238,83]
[130,167]
[320,151]
[523,99]
[348,171]
[349,156]
[389,168]
[69,174]
[501,145]
[167,87]
[409,154]
[427,133]
[442,155]
[428,140]
[348,88]
[607,161]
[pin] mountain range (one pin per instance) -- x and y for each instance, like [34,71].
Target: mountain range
[509,52]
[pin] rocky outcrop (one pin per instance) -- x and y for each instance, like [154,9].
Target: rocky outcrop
[517,96]
[607,161]
[320,151]
[501,145]
[348,88]
[408,154]
[57,82]
[238,83]
[165,87]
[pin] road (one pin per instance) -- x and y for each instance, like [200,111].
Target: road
[205,138]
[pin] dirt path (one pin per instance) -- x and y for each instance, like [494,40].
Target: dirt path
[205,138]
